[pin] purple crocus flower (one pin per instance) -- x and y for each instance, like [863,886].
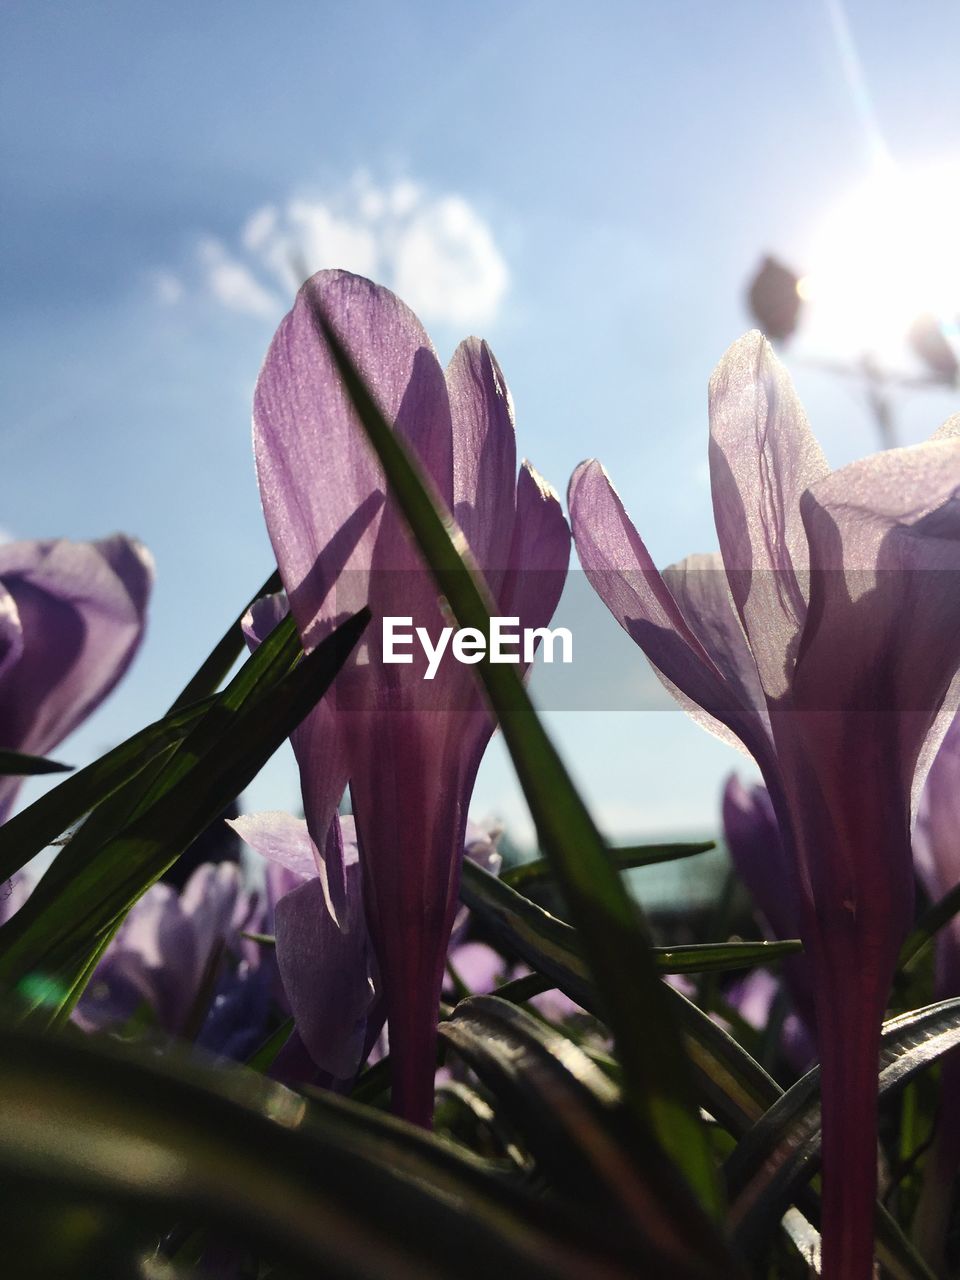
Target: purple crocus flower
[181,954]
[71,620]
[823,640]
[936,843]
[409,746]
[328,966]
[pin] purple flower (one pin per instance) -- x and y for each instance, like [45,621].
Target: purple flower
[410,747]
[181,954]
[71,620]
[823,640]
[328,965]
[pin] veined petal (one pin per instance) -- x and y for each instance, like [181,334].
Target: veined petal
[881,635]
[410,789]
[763,456]
[877,660]
[11,632]
[539,552]
[948,430]
[484,456]
[281,838]
[700,587]
[81,608]
[321,487]
[622,573]
[325,968]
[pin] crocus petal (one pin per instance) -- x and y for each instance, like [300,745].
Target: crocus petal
[478,966]
[885,539]
[948,430]
[936,838]
[320,485]
[121,983]
[81,612]
[877,659]
[326,975]
[209,901]
[699,586]
[409,801]
[484,456]
[281,838]
[539,552]
[11,632]
[622,573]
[763,456]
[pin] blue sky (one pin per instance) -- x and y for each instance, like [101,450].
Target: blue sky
[618,168]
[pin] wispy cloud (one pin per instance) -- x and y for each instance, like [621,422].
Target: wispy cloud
[232,283]
[436,251]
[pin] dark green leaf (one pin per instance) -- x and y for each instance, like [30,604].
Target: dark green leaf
[14,764]
[735,1089]
[263,1058]
[929,925]
[29,832]
[624,859]
[325,1187]
[534,932]
[216,667]
[51,941]
[782,1150]
[569,1115]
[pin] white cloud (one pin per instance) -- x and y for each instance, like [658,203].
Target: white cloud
[446,264]
[233,283]
[435,251]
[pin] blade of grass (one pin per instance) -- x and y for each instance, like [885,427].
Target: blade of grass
[29,832]
[67,917]
[228,649]
[325,1187]
[627,858]
[542,938]
[14,764]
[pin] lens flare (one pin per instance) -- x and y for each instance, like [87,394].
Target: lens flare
[888,253]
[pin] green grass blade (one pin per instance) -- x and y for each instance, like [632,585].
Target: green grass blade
[51,940]
[14,764]
[782,1150]
[528,928]
[30,831]
[627,858]
[228,649]
[587,1146]
[324,1187]
[928,926]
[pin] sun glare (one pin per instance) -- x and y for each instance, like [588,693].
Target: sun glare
[887,254]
